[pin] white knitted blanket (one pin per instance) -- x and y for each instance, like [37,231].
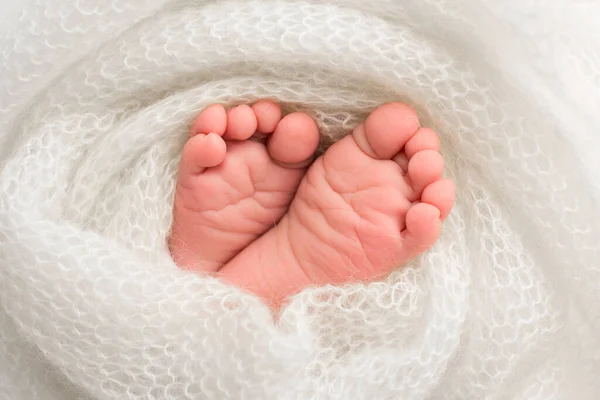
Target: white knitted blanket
[95,101]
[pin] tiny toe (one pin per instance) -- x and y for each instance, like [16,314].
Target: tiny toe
[211,119]
[386,130]
[424,139]
[241,123]
[424,168]
[423,227]
[268,115]
[294,141]
[440,194]
[200,152]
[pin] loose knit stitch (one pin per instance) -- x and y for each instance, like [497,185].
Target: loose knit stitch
[96,98]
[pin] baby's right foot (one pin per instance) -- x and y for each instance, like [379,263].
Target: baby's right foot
[371,203]
[229,192]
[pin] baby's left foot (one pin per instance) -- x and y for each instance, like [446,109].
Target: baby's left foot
[371,203]
[231,189]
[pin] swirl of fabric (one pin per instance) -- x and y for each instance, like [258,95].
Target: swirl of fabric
[96,99]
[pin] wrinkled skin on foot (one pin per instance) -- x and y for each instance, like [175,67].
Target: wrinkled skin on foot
[374,201]
[232,189]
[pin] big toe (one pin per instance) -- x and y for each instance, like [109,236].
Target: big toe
[294,141]
[387,130]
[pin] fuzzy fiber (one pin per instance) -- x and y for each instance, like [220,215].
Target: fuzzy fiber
[95,101]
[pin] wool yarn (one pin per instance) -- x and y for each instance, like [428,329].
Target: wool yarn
[95,103]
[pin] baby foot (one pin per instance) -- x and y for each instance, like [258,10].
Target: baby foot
[231,188]
[371,203]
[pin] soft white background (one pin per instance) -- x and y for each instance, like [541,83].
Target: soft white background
[8,10]
[8,7]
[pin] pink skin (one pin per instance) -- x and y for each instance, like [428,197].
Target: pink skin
[374,201]
[230,190]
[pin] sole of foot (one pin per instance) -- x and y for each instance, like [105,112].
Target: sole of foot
[232,188]
[371,203]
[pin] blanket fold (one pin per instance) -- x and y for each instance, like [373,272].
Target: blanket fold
[95,104]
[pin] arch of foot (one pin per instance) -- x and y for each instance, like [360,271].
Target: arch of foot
[85,205]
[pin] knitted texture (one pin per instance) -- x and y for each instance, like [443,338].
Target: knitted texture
[95,102]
